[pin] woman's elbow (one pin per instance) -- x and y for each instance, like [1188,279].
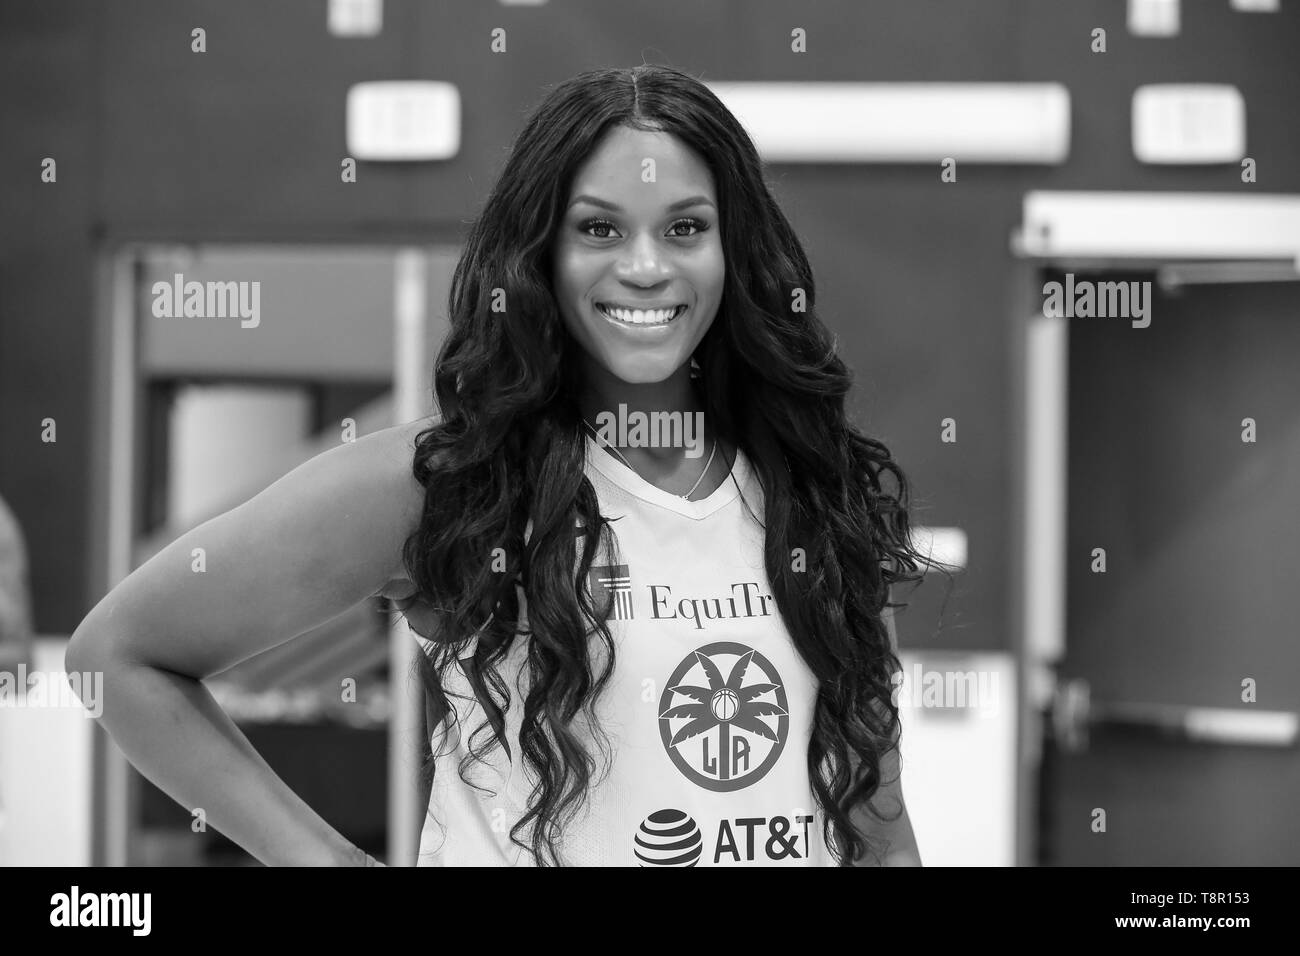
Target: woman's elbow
[93,647]
[903,856]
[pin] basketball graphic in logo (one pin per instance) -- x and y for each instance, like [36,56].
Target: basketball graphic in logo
[668,838]
[725,704]
[723,716]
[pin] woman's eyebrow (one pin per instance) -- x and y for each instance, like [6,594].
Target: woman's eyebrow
[614,207]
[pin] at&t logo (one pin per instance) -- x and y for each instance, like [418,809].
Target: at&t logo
[671,838]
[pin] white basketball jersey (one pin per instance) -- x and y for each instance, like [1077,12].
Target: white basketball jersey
[708,710]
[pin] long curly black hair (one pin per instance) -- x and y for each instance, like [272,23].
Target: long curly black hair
[507,449]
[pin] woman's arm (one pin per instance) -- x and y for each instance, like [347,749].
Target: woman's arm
[895,837]
[318,541]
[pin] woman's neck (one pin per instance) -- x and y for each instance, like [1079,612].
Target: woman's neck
[613,407]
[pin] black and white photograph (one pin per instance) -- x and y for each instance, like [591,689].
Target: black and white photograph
[614,433]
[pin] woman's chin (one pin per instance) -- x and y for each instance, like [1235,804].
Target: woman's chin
[643,372]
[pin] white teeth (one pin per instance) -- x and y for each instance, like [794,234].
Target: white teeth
[639,316]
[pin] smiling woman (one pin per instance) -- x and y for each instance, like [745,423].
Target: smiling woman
[634,653]
[645,266]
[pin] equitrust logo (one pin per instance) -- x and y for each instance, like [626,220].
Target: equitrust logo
[613,582]
[724,733]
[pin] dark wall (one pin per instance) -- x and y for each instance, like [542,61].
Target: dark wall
[244,142]
[49,106]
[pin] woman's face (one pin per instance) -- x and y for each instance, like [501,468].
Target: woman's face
[643,236]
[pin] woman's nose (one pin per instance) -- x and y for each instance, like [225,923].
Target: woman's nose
[643,262]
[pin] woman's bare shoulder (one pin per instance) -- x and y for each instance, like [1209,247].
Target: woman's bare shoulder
[393,455]
[305,549]
[395,445]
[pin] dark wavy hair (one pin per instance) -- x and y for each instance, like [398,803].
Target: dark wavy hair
[507,449]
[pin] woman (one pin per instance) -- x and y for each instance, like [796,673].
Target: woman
[647,558]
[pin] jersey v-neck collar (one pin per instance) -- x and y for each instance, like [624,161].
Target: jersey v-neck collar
[627,479]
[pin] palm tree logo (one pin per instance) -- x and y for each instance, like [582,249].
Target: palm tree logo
[728,733]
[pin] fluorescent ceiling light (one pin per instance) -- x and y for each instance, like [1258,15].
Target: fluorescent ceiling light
[903,122]
[403,120]
[1189,123]
[1159,225]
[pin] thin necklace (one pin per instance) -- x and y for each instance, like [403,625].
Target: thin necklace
[605,444]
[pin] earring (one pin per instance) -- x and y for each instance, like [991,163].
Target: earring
[695,368]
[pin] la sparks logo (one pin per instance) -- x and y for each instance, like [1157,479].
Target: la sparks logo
[724,733]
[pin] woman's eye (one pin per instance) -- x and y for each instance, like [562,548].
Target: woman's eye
[695,224]
[605,224]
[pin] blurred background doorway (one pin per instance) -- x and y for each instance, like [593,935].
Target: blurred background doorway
[1162,532]
[1201,533]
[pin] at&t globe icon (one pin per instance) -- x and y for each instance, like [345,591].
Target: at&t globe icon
[668,838]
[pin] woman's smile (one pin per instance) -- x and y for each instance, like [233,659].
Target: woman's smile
[641,321]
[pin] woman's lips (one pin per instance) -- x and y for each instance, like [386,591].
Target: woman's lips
[626,324]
